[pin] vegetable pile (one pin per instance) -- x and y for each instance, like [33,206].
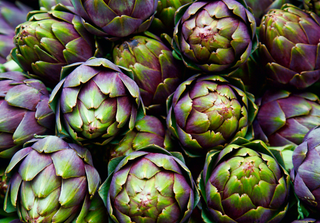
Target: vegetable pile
[164,111]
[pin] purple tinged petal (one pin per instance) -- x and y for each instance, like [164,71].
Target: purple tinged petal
[10,117]
[110,84]
[257,214]
[299,154]
[68,99]
[182,191]
[33,164]
[122,26]
[305,55]
[164,182]
[40,184]
[17,157]
[73,191]
[63,214]
[99,12]
[182,109]
[14,187]
[23,96]
[124,110]
[293,106]
[49,204]
[119,180]
[283,45]
[170,214]
[236,205]
[91,96]
[144,169]
[68,164]
[271,117]
[81,74]
[164,161]
[27,128]
[143,9]
[44,115]
[26,195]
[93,179]
[50,144]
[280,195]
[82,152]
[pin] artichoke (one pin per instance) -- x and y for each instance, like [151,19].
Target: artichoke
[289,41]
[148,130]
[24,111]
[149,185]
[285,118]
[52,181]
[50,40]
[152,67]
[312,5]
[208,112]
[163,21]
[214,36]
[49,4]
[259,8]
[244,183]
[94,102]
[305,172]
[116,19]
[11,15]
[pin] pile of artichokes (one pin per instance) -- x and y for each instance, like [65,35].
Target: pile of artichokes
[164,111]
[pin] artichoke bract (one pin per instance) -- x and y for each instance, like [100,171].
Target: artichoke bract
[116,19]
[305,172]
[289,44]
[11,15]
[259,8]
[207,112]
[51,181]
[50,40]
[149,185]
[163,21]
[285,117]
[244,183]
[24,111]
[152,67]
[214,36]
[49,4]
[94,102]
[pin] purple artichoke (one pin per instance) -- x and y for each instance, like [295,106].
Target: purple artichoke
[116,18]
[149,185]
[50,40]
[289,41]
[306,167]
[285,118]
[208,112]
[24,111]
[153,68]
[214,36]
[94,102]
[52,181]
[244,183]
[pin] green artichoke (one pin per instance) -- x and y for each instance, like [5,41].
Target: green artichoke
[50,40]
[11,15]
[244,183]
[312,5]
[49,4]
[305,172]
[285,117]
[152,67]
[94,102]
[289,41]
[116,19]
[24,111]
[259,8]
[163,21]
[149,185]
[214,36]
[208,112]
[51,181]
